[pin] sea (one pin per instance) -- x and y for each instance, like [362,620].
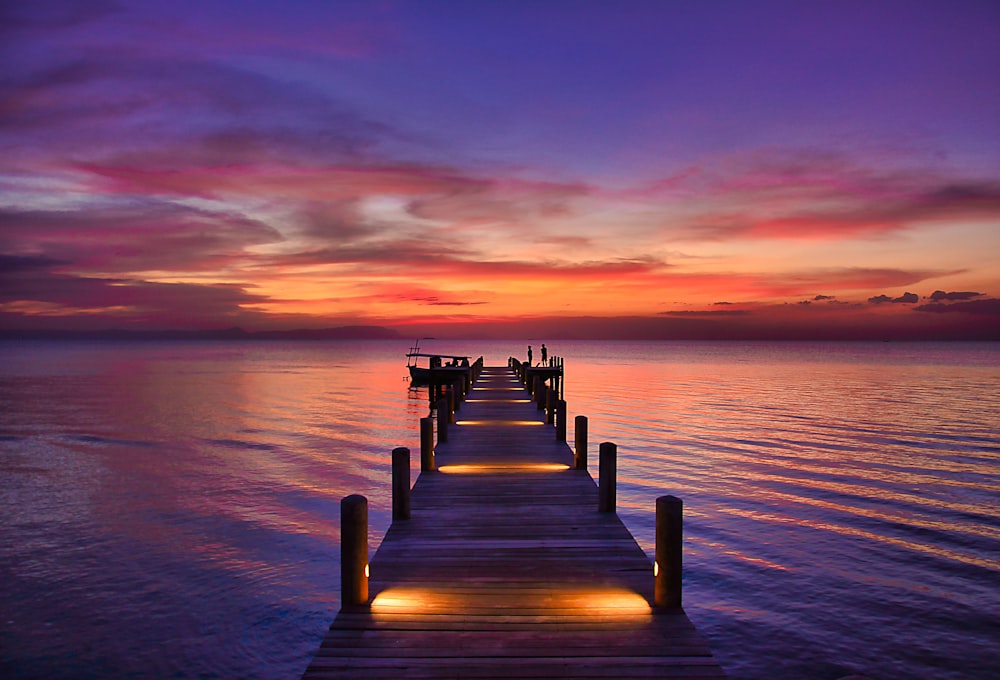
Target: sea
[171,509]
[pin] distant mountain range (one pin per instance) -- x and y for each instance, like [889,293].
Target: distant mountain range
[335,333]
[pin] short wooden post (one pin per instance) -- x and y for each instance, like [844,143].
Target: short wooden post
[449,395]
[400,483]
[561,420]
[581,442]
[551,397]
[354,551]
[442,417]
[608,472]
[669,552]
[426,445]
[541,396]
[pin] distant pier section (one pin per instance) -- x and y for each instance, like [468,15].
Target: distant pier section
[505,559]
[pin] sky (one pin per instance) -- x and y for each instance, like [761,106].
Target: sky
[662,169]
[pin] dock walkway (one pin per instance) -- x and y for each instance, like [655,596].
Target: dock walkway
[506,569]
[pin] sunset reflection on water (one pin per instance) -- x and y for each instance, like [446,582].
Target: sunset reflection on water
[194,488]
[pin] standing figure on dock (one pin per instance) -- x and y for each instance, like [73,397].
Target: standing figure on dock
[529,355]
[545,355]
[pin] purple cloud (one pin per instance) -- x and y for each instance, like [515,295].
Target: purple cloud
[989,306]
[940,295]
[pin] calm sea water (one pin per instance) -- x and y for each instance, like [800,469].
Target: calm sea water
[171,510]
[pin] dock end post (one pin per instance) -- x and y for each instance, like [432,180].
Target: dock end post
[669,552]
[354,551]
[581,443]
[400,483]
[427,445]
[608,475]
[561,420]
[442,417]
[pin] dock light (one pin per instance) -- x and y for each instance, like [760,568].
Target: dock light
[656,568]
[499,422]
[497,401]
[493,468]
[367,572]
[620,603]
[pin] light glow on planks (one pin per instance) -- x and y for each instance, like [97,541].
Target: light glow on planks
[500,422]
[497,401]
[598,600]
[492,468]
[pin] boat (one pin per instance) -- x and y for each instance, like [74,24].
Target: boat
[437,365]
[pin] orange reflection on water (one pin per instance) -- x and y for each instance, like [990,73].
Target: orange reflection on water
[860,533]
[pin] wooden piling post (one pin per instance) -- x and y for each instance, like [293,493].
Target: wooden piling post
[354,551]
[400,483]
[541,396]
[551,399]
[608,472]
[449,397]
[669,552]
[426,445]
[561,420]
[581,443]
[442,418]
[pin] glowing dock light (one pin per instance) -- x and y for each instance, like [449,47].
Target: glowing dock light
[497,401]
[603,601]
[500,422]
[492,468]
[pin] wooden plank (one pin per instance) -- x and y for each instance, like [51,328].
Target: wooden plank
[506,569]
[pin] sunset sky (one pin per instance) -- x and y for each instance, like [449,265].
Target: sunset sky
[514,169]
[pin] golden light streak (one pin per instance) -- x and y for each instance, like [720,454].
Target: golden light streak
[490,468]
[497,401]
[599,600]
[499,422]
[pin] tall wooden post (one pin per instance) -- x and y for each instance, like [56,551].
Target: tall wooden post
[354,551]
[561,420]
[540,397]
[608,472]
[400,483]
[551,397]
[562,378]
[581,442]
[669,552]
[449,397]
[426,445]
[442,417]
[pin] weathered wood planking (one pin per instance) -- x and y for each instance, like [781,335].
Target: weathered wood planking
[509,571]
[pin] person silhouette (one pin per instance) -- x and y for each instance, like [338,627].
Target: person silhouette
[529,355]
[545,354]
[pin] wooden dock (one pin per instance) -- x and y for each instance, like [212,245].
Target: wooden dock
[505,568]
